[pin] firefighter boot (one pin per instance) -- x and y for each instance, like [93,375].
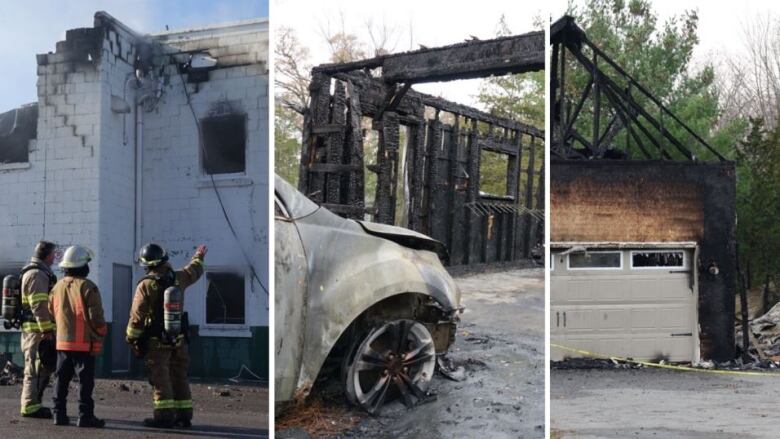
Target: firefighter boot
[91,422]
[41,413]
[158,423]
[61,418]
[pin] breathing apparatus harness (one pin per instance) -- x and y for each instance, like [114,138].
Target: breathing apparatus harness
[155,326]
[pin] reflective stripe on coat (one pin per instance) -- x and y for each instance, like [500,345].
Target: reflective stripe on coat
[78,314]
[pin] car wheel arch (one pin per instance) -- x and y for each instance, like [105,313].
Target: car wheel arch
[402,305]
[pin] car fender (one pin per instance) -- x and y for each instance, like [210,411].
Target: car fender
[340,296]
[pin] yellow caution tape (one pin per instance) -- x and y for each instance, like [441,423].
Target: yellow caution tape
[666,366]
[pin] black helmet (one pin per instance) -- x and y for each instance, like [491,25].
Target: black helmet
[152,255]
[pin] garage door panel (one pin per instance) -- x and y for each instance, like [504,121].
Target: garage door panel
[643,347]
[680,348]
[642,289]
[611,318]
[674,318]
[676,288]
[578,320]
[638,347]
[645,318]
[645,314]
[607,289]
[579,290]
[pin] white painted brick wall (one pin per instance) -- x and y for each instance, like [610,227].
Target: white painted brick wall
[180,207]
[87,159]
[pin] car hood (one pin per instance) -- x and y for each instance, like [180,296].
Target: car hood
[405,237]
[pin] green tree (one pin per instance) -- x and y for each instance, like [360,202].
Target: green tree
[516,97]
[758,200]
[291,93]
[658,55]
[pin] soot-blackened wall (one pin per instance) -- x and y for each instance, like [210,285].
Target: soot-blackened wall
[655,201]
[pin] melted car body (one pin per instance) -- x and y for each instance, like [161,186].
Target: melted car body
[342,285]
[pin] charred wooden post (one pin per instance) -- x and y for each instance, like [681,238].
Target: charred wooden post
[440,175]
[388,167]
[529,193]
[336,133]
[356,178]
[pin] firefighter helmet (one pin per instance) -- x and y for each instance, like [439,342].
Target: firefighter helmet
[152,255]
[76,256]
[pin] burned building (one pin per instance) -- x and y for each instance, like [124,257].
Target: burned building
[138,138]
[643,250]
[425,172]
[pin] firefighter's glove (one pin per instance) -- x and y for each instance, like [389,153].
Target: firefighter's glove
[201,251]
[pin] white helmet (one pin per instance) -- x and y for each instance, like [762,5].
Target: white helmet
[76,256]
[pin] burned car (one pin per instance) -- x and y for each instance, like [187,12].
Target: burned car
[368,303]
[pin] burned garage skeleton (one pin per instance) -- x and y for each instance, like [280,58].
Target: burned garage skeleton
[427,164]
[628,180]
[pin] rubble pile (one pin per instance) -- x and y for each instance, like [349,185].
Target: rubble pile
[11,373]
[764,349]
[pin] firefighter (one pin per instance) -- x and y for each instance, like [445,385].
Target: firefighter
[166,356]
[37,281]
[78,312]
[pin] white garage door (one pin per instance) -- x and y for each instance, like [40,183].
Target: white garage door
[629,303]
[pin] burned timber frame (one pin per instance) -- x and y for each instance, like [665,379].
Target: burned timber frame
[440,170]
[626,169]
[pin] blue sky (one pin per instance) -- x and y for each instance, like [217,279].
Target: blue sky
[29,27]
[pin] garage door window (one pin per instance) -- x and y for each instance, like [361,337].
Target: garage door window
[596,261]
[657,259]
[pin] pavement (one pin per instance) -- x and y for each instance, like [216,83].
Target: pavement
[500,342]
[653,403]
[221,411]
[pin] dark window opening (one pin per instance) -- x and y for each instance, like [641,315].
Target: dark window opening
[224,140]
[493,173]
[225,298]
[17,128]
[595,260]
[657,259]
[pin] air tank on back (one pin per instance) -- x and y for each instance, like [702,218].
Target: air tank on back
[173,305]
[11,300]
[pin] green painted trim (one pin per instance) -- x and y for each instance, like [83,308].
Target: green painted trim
[11,342]
[210,357]
[222,357]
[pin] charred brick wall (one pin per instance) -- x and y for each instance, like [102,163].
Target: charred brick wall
[653,201]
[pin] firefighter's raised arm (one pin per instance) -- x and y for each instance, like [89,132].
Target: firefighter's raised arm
[194,270]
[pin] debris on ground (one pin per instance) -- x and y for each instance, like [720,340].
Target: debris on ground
[319,416]
[764,338]
[449,369]
[758,297]
[593,363]
[245,376]
[220,392]
[766,330]
[12,373]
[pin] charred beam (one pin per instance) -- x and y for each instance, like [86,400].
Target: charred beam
[473,59]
